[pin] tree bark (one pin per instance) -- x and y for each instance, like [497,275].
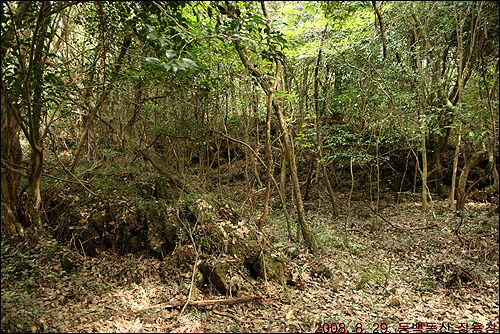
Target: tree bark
[454,173]
[462,182]
[290,155]
[319,139]
[266,86]
[11,153]
[104,94]
[382,29]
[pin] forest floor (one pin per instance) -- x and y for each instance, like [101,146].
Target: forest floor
[408,271]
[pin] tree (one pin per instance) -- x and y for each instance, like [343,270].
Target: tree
[268,87]
[25,96]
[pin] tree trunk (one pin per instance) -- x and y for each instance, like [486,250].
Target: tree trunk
[269,166]
[290,155]
[425,189]
[255,105]
[266,85]
[35,198]
[11,153]
[283,194]
[462,182]
[454,173]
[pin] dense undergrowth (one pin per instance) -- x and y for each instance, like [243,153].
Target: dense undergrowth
[400,266]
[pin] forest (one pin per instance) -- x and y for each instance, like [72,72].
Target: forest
[250,166]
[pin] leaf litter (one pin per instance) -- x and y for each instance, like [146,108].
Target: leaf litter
[378,276]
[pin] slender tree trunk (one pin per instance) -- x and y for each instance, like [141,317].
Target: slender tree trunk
[378,172]
[415,175]
[462,181]
[248,155]
[255,105]
[269,166]
[310,172]
[42,42]
[403,178]
[319,140]
[352,183]
[454,173]
[283,193]
[424,174]
[382,29]
[290,155]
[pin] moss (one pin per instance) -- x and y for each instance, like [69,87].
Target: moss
[269,267]
[217,274]
[321,270]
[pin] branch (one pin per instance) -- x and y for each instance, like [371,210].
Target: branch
[241,142]
[17,171]
[71,174]
[62,7]
[245,61]
[13,170]
[177,303]
[382,29]
[173,19]
[391,224]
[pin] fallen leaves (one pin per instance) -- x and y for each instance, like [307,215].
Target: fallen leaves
[131,293]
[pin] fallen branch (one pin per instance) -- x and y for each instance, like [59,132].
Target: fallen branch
[160,164]
[179,303]
[392,225]
[225,314]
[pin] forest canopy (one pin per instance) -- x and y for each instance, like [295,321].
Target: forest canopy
[354,87]
[119,115]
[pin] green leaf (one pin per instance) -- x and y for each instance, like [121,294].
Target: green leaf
[152,60]
[164,41]
[151,37]
[170,53]
[165,66]
[180,65]
[189,63]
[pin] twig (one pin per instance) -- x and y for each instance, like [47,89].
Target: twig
[5,165]
[71,174]
[194,266]
[359,231]
[384,219]
[225,314]
[190,286]
[177,303]
[392,225]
